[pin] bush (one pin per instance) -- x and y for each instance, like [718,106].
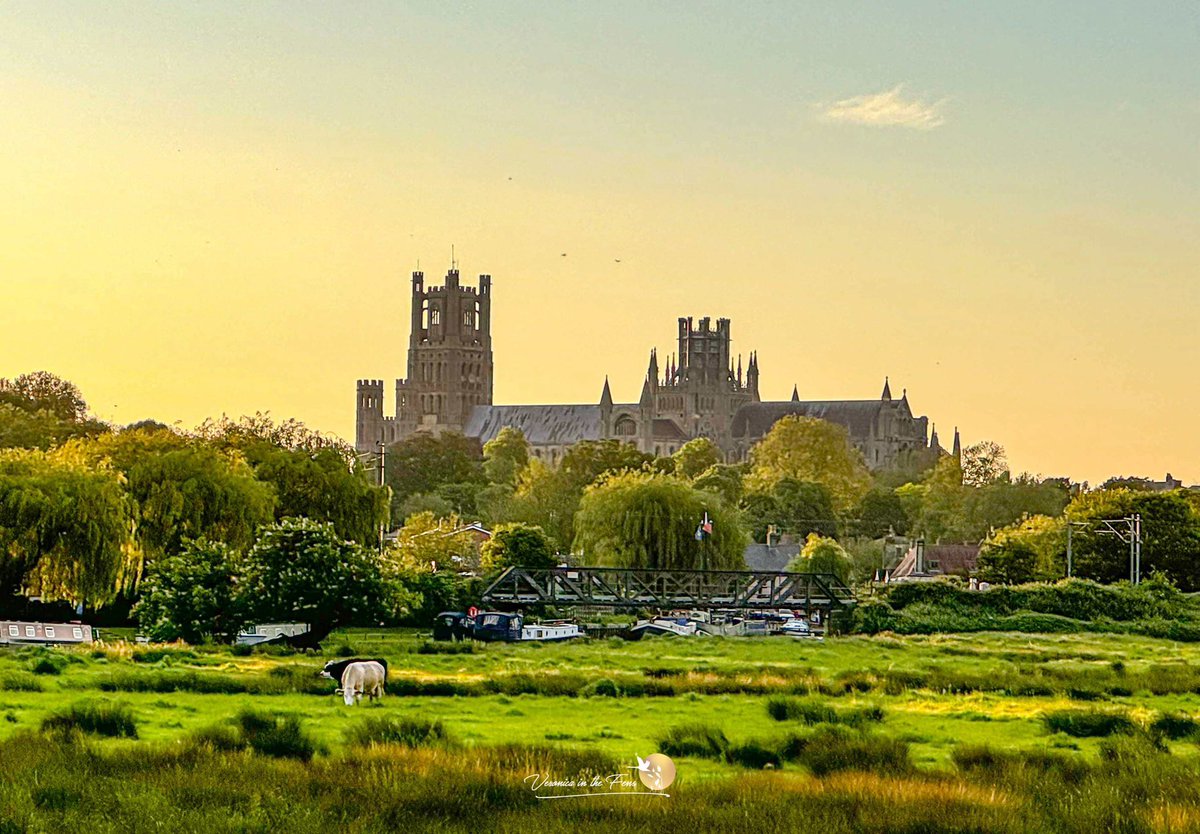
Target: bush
[407,732]
[601,688]
[812,711]
[437,647]
[752,754]
[832,749]
[19,682]
[1087,723]
[47,665]
[997,764]
[99,717]
[699,740]
[279,736]
[219,737]
[1175,726]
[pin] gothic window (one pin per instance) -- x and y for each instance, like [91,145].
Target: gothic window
[468,319]
[625,426]
[435,315]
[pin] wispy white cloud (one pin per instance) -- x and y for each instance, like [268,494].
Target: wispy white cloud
[891,108]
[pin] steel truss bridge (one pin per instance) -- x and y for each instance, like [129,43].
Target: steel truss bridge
[633,588]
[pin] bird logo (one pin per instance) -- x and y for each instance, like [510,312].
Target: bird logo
[656,771]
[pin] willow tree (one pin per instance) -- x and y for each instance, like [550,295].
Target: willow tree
[66,527]
[650,520]
[185,488]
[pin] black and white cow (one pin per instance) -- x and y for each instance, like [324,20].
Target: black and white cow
[357,677]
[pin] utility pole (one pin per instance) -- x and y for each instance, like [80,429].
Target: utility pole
[1137,538]
[383,484]
[1068,549]
[1129,531]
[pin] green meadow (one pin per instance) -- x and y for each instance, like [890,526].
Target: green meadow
[989,731]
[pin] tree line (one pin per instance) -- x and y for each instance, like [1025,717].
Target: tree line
[223,517]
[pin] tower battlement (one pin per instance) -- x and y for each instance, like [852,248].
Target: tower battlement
[449,368]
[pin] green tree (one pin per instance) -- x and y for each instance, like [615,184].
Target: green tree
[425,503]
[1170,535]
[545,498]
[322,485]
[1030,550]
[649,520]
[723,479]
[791,506]
[43,391]
[586,461]
[302,570]
[192,595]
[504,456]
[428,542]
[424,462]
[41,410]
[696,456]
[262,428]
[809,449]
[879,512]
[822,555]
[517,545]
[983,463]
[66,527]
[939,513]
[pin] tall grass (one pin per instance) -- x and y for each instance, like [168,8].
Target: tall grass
[1088,723]
[408,732]
[812,711]
[99,717]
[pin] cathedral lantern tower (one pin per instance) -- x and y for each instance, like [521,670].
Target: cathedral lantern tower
[449,355]
[449,363]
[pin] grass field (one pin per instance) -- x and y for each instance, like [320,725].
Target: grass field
[976,724]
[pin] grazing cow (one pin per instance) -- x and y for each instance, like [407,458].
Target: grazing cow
[362,679]
[357,677]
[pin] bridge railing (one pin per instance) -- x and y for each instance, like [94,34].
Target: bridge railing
[630,587]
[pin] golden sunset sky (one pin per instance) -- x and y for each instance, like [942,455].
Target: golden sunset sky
[214,207]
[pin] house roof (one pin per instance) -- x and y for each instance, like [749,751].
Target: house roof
[774,558]
[959,559]
[755,419]
[542,425]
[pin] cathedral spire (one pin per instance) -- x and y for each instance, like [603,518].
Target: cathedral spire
[752,376]
[887,391]
[606,399]
[739,376]
[795,394]
[957,445]
[933,440]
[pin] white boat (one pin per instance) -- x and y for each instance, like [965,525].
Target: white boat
[255,634]
[549,632]
[679,626]
[20,631]
[799,628]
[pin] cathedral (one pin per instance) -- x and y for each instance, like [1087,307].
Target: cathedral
[699,391]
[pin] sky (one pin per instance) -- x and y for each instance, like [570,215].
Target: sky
[215,207]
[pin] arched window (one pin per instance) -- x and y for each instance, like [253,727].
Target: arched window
[435,315]
[625,426]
